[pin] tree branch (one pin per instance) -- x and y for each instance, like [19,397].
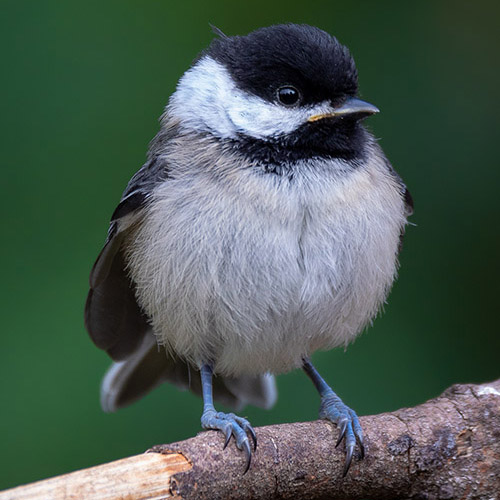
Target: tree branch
[448,447]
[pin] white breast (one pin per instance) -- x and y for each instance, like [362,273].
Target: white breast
[251,272]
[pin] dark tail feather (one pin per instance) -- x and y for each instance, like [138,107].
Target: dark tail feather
[128,380]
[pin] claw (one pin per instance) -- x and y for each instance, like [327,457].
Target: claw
[333,409]
[343,428]
[348,459]
[358,432]
[359,438]
[248,454]
[231,425]
[250,430]
[228,433]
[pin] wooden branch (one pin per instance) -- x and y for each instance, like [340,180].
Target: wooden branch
[446,448]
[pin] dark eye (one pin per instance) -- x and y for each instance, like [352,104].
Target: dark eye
[288,95]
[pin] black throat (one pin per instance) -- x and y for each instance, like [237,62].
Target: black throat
[344,139]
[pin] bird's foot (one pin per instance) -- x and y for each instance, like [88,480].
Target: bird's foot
[332,408]
[231,425]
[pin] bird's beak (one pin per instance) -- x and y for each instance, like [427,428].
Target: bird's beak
[350,107]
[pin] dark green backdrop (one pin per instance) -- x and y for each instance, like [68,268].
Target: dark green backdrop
[82,86]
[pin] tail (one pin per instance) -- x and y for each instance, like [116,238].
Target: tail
[149,366]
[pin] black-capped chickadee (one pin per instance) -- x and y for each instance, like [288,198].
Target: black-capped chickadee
[264,225]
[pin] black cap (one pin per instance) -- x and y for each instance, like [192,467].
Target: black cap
[288,54]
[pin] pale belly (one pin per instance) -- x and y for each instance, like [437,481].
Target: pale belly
[252,278]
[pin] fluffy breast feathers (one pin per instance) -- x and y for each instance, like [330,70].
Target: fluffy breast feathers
[252,271]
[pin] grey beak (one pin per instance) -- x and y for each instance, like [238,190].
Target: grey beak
[353,105]
[350,107]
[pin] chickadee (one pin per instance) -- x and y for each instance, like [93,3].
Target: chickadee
[264,225]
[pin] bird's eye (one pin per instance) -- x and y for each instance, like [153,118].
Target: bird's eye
[288,95]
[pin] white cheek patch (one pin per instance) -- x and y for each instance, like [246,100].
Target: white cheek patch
[207,100]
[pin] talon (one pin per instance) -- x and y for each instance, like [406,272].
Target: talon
[348,459]
[228,433]
[343,428]
[333,409]
[249,428]
[349,430]
[232,425]
[358,433]
[359,438]
[228,423]
[248,454]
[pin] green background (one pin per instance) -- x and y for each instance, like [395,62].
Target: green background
[82,86]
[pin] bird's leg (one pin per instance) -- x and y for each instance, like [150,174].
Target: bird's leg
[229,423]
[332,408]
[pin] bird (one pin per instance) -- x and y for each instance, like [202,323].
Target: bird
[265,225]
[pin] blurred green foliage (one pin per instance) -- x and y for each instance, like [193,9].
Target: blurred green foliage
[82,85]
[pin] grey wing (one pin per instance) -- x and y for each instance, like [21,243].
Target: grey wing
[405,193]
[113,318]
[408,199]
[408,210]
[117,324]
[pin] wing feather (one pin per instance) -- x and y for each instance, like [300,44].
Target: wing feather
[113,318]
[117,324]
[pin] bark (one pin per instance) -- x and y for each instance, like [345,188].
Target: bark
[446,448]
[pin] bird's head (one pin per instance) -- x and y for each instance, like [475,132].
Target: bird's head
[282,90]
